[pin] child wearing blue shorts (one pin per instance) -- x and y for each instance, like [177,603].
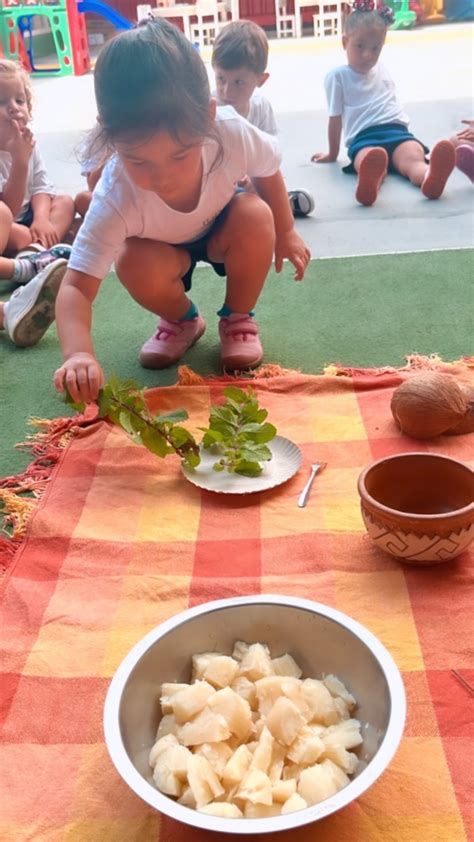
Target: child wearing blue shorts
[362,101]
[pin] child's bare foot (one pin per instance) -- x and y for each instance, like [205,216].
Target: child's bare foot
[372,171]
[465,159]
[442,161]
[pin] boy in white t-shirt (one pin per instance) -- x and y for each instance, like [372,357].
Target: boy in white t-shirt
[239,60]
[362,101]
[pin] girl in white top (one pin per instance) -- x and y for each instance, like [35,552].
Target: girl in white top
[30,210]
[362,103]
[167,199]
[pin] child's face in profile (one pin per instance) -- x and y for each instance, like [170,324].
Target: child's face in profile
[13,105]
[235,87]
[363,48]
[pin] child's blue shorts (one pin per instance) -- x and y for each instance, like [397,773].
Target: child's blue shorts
[386,135]
[197,250]
[27,217]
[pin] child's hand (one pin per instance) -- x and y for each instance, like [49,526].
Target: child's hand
[291,245]
[43,232]
[82,375]
[21,143]
[322,158]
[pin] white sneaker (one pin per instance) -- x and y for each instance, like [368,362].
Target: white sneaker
[30,310]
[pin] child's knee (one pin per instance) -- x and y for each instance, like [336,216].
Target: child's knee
[250,216]
[64,204]
[82,202]
[6,217]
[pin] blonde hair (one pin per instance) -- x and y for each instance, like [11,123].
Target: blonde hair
[10,68]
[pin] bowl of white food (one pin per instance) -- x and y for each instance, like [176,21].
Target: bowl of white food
[255,714]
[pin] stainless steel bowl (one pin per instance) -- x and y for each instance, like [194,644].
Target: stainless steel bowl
[321,639]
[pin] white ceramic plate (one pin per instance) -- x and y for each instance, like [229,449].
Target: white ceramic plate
[285,462]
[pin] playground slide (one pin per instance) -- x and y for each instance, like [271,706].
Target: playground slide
[105,11]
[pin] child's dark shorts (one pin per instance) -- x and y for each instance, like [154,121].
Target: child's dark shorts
[386,135]
[27,217]
[197,250]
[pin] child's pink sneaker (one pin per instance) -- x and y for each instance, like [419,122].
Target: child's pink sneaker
[240,344]
[170,342]
[465,159]
[442,161]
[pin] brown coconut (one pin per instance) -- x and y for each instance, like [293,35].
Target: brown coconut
[430,403]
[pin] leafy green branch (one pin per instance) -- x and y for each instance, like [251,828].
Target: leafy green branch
[123,403]
[237,433]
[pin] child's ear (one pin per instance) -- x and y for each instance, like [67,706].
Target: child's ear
[262,79]
[344,41]
[212,108]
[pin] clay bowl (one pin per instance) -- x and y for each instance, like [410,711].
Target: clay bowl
[419,507]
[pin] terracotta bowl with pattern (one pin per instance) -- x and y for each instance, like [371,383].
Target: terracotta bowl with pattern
[419,507]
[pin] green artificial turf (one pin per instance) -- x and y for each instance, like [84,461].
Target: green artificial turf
[358,311]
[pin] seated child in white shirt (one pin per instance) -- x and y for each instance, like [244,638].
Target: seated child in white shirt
[38,214]
[239,60]
[362,102]
[167,199]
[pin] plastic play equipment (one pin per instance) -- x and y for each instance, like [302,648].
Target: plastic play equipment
[404,18]
[68,31]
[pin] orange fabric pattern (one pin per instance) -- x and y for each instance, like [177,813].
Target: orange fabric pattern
[120,541]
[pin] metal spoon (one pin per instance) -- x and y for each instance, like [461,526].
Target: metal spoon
[315,467]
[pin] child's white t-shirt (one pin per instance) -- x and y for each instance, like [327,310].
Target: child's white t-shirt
[362,99]
[119,209]
[260,113]
[37,180]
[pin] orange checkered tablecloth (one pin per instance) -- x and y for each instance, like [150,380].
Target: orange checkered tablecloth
[119,541]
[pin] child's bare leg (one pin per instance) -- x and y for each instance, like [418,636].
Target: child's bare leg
[61,214]
[20,238]
[152,273]
[2,321]
[245,242]
[409,160]
[82,202]
[371,166]
[6,220]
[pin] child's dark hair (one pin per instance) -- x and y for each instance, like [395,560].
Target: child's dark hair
[368,14]
[364,20]
[12,68]
[150,79]
[241,43]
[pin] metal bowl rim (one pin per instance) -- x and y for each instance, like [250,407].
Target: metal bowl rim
[152,796]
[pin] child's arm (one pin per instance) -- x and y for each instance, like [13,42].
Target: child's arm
[334,138]
[288,242]
[20,148]
[80,372]
[93,177]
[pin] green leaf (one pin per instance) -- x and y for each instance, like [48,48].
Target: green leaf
[236,394]
[266,432]
[154,441]
[247,469]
